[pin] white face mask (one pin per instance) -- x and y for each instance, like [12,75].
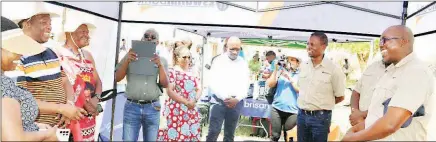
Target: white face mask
[232,57]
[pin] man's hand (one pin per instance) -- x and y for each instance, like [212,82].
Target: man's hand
[131,56]
[72,112]
[43,126]
[231,102]
[191,104]
[156,60]
[50,134]
[356,117]
[91,106]
[63,122]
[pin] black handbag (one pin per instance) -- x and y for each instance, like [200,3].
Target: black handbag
[270,95]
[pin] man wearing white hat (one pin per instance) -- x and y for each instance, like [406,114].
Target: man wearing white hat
[43,76]
[79,67]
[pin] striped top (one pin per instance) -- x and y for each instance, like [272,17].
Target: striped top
[42,77]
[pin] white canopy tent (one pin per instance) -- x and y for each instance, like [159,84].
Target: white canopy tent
[343,21]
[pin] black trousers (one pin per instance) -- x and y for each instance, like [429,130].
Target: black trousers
[281,121]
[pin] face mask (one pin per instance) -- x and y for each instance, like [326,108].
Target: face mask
[232,57]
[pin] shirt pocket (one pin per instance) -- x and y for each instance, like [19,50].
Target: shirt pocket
[323,82]
[302,80]
[369,81]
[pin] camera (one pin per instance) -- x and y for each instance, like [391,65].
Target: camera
[281,63]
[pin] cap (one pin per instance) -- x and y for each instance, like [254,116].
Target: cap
[15,41]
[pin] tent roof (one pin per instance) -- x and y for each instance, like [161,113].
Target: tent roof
[264,33]
[361,19]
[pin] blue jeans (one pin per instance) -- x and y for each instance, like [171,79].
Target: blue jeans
[313,127]
[219,112]
[137,115]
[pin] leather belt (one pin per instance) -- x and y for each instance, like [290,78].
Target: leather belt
[313,112]
[142,102]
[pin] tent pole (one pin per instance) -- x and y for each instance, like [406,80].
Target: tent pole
[404,14]
[117,51]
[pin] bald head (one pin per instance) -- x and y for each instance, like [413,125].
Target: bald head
[402,31]
[234,40]
[234,47]
[396,43]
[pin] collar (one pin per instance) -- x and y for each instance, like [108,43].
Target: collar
[402,62]
[323,61]
[405,60]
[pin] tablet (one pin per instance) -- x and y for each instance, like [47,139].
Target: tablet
[143,66]
[144,48]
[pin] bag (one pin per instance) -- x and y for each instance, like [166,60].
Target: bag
[419,112]
[270,95]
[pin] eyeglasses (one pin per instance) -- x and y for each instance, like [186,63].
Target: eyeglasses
[184,57]
[147,36]
[383,40]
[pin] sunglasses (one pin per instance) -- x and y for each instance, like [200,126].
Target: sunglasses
[184,57]
[147,36]
[383,40]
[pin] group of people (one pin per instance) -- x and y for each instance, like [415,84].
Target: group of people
[58,87]
[391,100]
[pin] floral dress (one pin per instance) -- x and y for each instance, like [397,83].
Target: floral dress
[80,74]
[183,124]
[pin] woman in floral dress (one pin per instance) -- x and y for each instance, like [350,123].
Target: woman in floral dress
[183,118]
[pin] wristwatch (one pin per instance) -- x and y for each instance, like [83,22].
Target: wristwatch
[97,95]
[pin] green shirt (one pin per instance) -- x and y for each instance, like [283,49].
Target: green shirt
[254,66]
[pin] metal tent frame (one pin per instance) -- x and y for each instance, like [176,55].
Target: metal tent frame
[116,9]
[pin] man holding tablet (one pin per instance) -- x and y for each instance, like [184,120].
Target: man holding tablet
[143,87]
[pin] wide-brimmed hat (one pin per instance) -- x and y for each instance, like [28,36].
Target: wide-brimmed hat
[293,56]
[72,27]
[15,41]
[36,8]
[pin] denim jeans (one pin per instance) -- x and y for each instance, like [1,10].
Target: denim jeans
[313,127]
[219,112]
[137,115]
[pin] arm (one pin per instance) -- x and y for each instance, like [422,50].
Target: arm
[198,90]
[12,127]
[294,84]
[383,127]
[163,77]
[401,107]
[338,84]
[355,97]
[272,80]
[173,95]
[121,69]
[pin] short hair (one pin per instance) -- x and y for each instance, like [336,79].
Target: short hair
[270,53]
[322,36]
